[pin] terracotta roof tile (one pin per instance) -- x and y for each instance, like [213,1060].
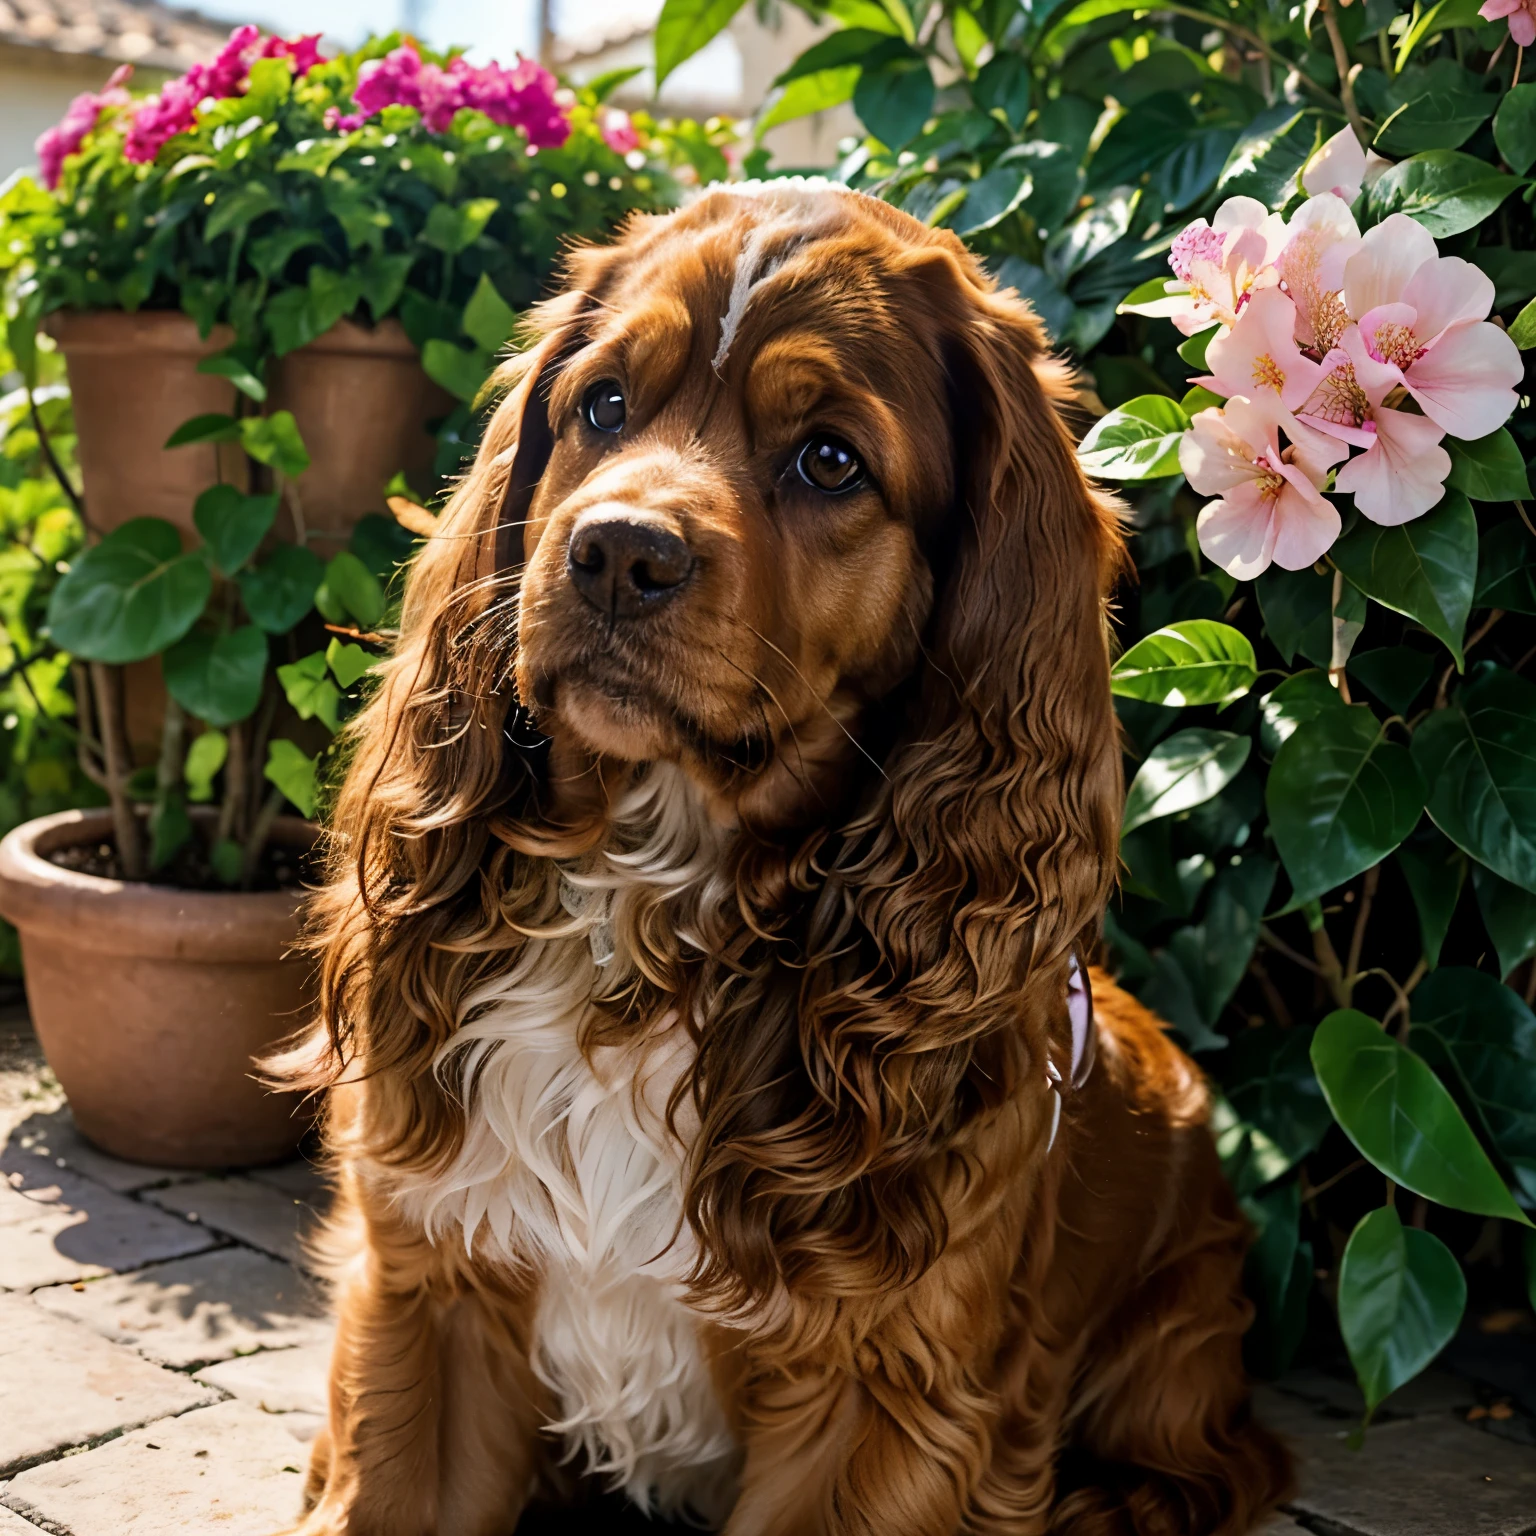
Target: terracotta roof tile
[117,31]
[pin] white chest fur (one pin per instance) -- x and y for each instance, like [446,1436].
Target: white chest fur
[568,1165]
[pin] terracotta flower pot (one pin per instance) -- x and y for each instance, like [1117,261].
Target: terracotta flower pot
[150,1003]
[359,396]
[134,380]
[362,404]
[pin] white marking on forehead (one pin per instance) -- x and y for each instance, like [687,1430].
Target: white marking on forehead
[810,217]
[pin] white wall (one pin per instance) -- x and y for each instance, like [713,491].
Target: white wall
[35,89]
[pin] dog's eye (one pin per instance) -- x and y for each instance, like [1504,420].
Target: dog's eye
[605,406]
[827,463]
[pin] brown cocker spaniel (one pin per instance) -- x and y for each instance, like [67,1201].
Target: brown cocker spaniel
[711,1088]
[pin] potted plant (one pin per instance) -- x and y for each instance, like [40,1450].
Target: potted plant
[269,244]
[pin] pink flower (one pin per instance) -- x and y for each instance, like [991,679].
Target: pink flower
[1422,320]
[1259,355]
[343,122]
[1522,18]
[1219,265]
[160,119]
[65,137]
[1323,236]
[303,50]
[521,97]
[1401,474]
[1270,508]
[227,74]
[618,131]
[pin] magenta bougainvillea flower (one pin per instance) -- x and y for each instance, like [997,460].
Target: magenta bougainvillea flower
[66,136]
[618,130]
[520,97]
[174,110]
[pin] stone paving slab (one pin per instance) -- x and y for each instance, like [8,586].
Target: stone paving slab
[51,1136]
[63,1385]
[230,1470]
[11,1524]
[276,1380]
[59,1226]
[297,1177]
[1418,1477]
[257,1214]
[195,1311]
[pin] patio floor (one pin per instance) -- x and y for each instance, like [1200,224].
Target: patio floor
[162,1363]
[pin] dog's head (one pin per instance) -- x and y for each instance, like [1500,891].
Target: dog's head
[782,494]
[776,456]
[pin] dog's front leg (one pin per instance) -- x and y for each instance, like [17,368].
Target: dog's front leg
[433,1412]
[889,1434]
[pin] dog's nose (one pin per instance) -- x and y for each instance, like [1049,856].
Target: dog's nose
[623,566]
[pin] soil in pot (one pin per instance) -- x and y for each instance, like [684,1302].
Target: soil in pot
[152,1002]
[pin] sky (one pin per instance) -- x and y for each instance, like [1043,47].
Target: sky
[489,28]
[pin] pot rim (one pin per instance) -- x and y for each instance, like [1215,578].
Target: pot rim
[87,332]
[134,918]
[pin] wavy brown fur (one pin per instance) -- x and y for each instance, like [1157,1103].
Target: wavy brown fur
[926,1308]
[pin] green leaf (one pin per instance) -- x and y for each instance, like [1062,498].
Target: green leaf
[1401,1298]
[1523,331]
[810,93]
[271,253]
[212,428]
[131,595]
[1481,1036]
[1003,85]
[274,440]
[227,365]
[293,773]
[895,101]
[852,45]
[1249,1158]
[1506,568]
[1514,128]
[356,587]
[454,228]
[232,524]
[1431,20]
[1192,348]
[1268,157]
[462,371]
[381,281]
[1300,698]
[1298,611]
[488,319]
[290,320]
[1446,191]
[1479,759]
[991,198]
[347,662]
[308,688]
[1402,1119]
[1489,469]
[205,757]
[237,208]
[1435,870]
[1436,120]
[1278,1275]
[1194,662]
[170,828]
[1140,441]
[228,860]
[281,590]
[1341,797]
[1268,1077]
[1509,915]
[217,679]
[1424,569]
[332,295]
[684,27]
[604,85]
[1396,674]
[1214,953]
[1039,291]
[1184,771]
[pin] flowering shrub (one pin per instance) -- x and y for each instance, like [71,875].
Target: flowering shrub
[1329,840]
[279,192]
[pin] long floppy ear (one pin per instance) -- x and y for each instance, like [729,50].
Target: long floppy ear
[930,958]
[414,909]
